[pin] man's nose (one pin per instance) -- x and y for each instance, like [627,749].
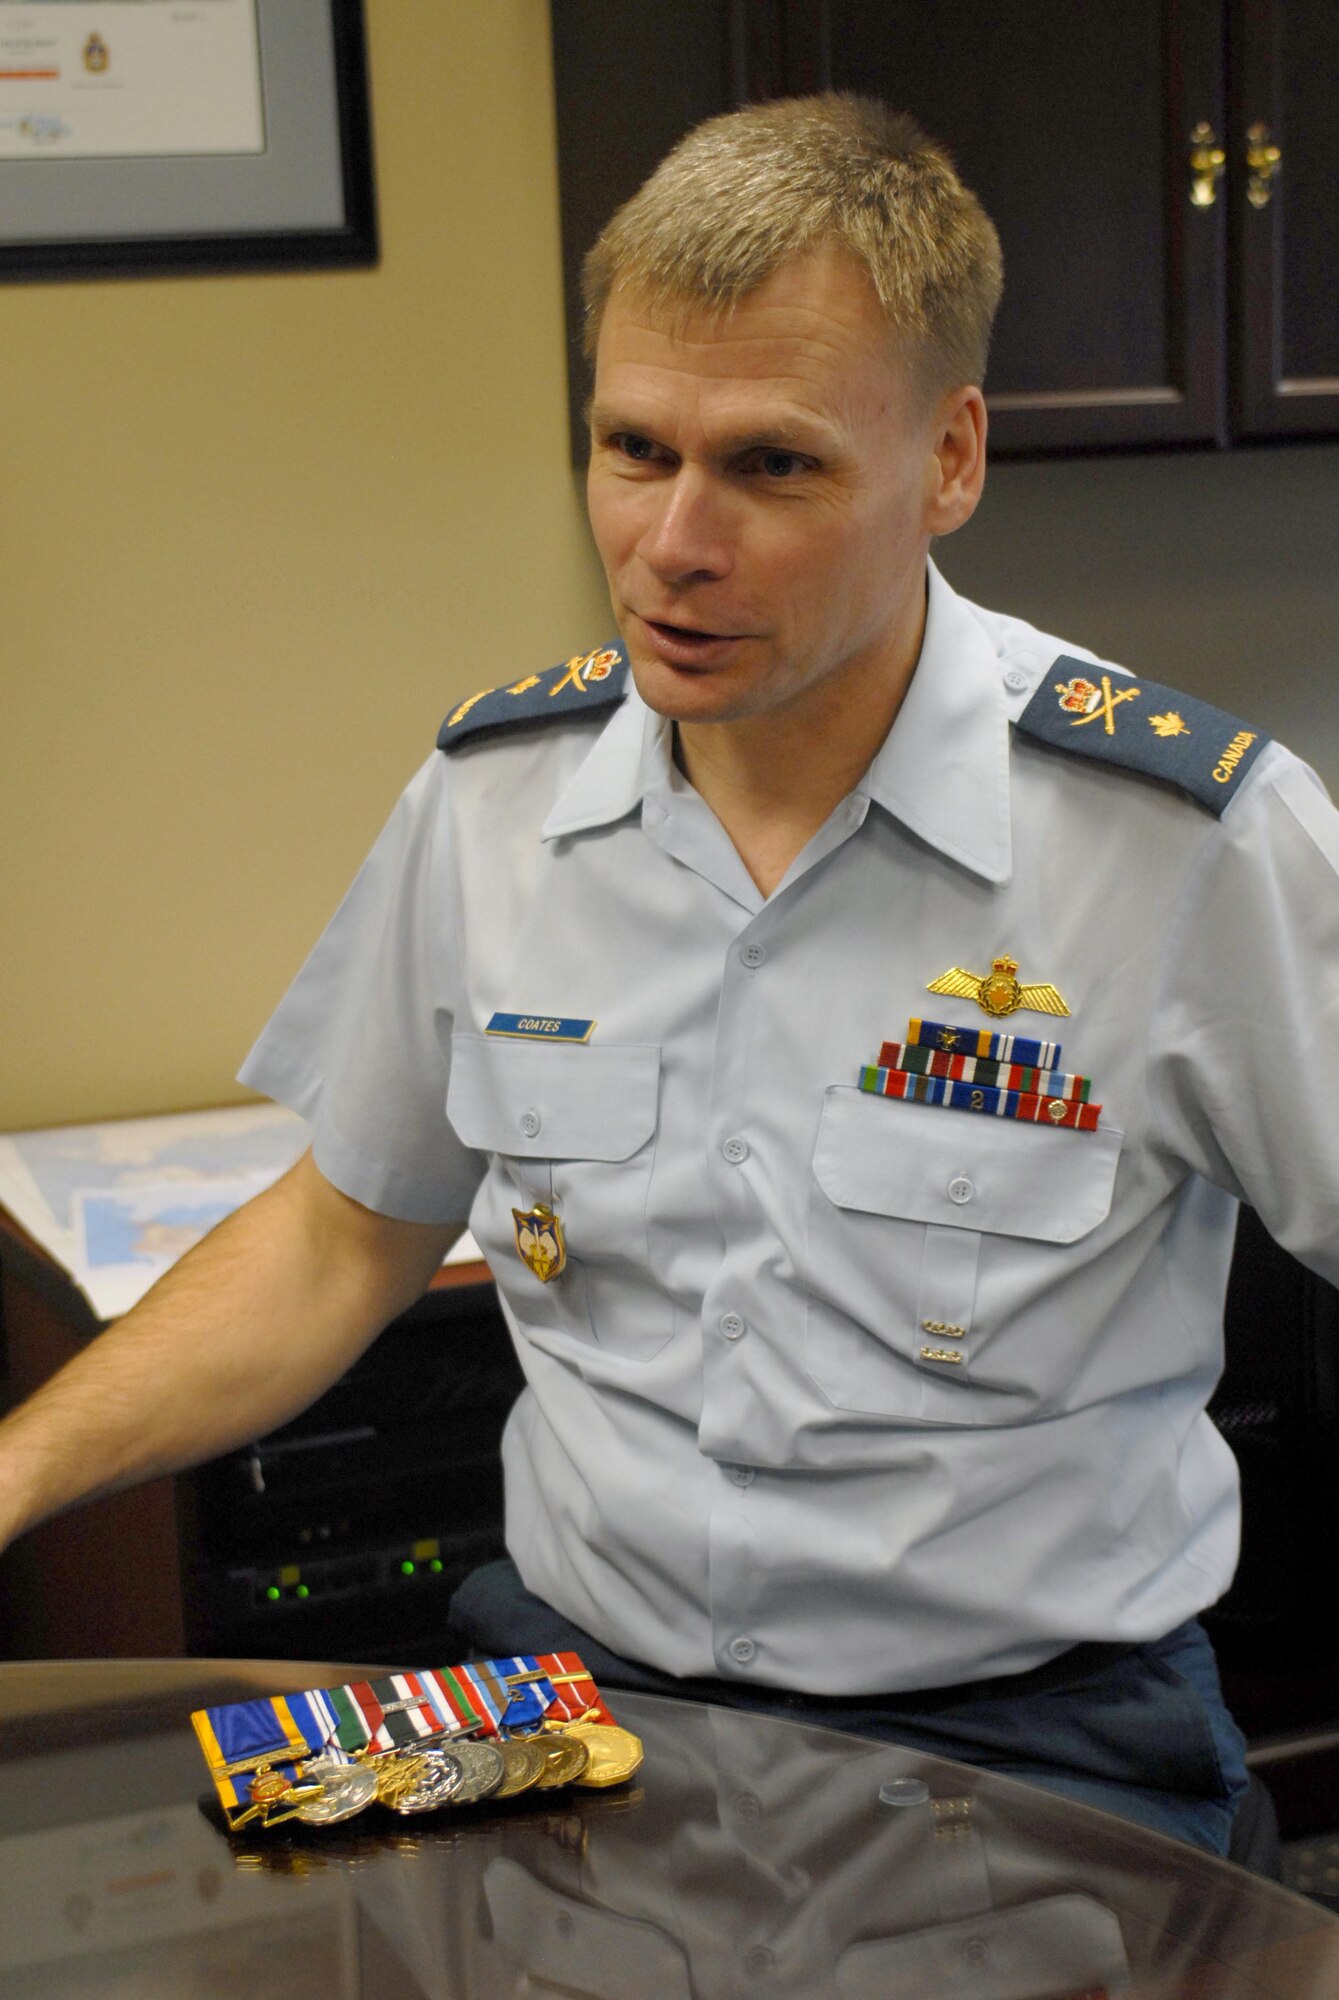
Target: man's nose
[689,534]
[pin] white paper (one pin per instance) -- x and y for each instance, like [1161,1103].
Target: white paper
[115,79]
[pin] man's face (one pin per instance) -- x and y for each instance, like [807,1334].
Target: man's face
[760,490]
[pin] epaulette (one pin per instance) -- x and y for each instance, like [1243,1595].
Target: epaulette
[582,685]
[1143,726]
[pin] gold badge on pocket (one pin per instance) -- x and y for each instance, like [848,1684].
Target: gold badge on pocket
[539,1242]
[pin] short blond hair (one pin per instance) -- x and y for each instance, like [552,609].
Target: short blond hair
[744,193]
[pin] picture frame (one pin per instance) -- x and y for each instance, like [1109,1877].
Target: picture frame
[238,137]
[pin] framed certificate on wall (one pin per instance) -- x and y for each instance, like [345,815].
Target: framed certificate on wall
[183,135]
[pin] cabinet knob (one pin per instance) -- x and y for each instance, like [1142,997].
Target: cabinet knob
[1263,162]
[1208,162]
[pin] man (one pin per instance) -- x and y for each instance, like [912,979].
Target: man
[844,1394]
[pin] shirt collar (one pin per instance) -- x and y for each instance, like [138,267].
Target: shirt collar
[943,769]
[630,755]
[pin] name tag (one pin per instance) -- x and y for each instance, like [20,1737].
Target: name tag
[540,1027]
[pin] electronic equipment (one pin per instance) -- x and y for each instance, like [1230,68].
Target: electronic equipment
[342,1535]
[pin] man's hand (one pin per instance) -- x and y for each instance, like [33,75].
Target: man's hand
[248,1329]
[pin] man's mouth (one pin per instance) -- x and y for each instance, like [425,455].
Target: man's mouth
[688,645]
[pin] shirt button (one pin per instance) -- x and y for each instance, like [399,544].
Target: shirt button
[530,1123]
[753,956]
[760,1959]
[743,1475]
[735,1151]
[742,1650]
[1015,680]
[732,1326]
[960,1190]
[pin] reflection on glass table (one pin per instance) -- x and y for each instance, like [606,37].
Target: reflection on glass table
[749,1857]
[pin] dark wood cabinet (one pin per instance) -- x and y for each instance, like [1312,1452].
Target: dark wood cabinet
[1160,174]
[1285,220]
[1071,123]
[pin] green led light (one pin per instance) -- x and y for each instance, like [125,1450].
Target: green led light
[302,1590]
[273,1593]
[435,1567]
[406,1569]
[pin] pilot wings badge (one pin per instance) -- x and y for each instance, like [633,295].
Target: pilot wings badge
[539,1242]
[998,991]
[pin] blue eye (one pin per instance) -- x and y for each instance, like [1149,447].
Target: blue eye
[779,464]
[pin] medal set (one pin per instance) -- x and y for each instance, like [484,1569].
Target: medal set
[975,1069]
[414,1742]
[970,1069]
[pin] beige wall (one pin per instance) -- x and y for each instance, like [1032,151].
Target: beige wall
[257,533]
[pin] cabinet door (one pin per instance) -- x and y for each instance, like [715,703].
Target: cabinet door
[629,80]
[1074,126]
[1285,268]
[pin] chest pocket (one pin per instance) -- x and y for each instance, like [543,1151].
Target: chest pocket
[572,1127]
[923,1223]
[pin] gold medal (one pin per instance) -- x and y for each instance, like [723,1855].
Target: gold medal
[566,1758]
[525,1759]
[615,1753]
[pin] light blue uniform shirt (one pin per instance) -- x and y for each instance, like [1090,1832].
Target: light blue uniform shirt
[737,1454]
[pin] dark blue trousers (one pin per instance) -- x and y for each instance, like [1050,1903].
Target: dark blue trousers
[1141,1731]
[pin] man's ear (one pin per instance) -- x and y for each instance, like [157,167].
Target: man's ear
[958,464]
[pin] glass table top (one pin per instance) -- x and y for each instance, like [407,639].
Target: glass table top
[749,1858]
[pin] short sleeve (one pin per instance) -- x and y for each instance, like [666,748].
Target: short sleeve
[1245,1072]
[360,1044]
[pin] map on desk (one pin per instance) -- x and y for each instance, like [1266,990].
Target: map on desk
[117,1204]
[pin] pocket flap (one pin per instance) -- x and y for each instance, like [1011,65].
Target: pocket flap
[926,1164]
[552,1100]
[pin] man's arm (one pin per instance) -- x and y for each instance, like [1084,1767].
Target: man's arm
[245,1331]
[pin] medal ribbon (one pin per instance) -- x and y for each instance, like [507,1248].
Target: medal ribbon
[316,1716]
[980,1042]
[488,1692]
[382,1706]
[528,1699]
[984,1069]
[402,1724]
[351,1730]
[1027,1106]
[574,1689]
[362,1694]
[241,1734]
[455,1710]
